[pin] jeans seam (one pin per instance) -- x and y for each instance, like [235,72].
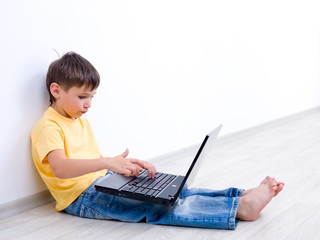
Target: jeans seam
[232,219]
[79,200]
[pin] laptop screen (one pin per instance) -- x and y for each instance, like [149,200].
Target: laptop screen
[205,148]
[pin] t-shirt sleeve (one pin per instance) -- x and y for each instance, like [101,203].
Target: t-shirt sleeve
[51,138]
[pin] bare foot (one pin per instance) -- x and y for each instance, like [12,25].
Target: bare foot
[254,200]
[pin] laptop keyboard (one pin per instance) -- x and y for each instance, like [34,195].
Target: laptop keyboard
[148,186]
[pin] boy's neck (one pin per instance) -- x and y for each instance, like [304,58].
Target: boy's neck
[60,111]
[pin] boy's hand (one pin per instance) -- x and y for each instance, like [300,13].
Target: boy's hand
[130,166]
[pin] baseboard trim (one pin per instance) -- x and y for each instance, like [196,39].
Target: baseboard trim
[23,204]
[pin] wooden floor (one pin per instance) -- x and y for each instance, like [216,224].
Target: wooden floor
[288,149]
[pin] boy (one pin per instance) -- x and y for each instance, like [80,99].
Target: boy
[68,159]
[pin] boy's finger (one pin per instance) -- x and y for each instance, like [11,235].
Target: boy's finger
[126,172]
[148,166]
[135,169]
[125,153]
[141,163]
[136,161]
[152,172]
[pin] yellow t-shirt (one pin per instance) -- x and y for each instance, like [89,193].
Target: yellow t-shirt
[74,136]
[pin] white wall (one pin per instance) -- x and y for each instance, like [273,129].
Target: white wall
[171,70]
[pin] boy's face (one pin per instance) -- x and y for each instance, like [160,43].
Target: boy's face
[73,103]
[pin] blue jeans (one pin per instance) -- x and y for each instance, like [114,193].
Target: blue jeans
[195,207]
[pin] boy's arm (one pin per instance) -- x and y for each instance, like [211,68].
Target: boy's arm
[70,168]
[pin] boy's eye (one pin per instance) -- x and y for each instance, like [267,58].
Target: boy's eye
[84,97]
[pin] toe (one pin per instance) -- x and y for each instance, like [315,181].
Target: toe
[279,189]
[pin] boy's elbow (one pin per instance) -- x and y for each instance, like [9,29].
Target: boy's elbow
[58,172]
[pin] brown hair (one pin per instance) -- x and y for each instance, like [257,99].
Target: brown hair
[72,70]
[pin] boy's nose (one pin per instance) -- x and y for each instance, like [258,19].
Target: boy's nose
[87,104]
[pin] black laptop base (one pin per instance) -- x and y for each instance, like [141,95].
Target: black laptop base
[151,188]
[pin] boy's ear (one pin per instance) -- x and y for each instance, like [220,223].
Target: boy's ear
[55,90]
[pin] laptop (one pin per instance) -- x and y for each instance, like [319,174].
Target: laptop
[164,188]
